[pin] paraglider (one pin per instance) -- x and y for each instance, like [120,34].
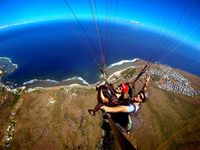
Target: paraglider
[121,106]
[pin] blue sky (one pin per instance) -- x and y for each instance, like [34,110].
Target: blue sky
[177,18]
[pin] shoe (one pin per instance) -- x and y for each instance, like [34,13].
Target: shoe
[91,112]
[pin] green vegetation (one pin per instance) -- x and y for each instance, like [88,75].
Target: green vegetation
[82,91]
[128,73]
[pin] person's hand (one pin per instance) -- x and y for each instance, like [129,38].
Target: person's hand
[148,78]
[105,108]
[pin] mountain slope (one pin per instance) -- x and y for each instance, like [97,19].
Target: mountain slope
[57,118]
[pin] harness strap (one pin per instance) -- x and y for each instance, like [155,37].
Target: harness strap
[123,142]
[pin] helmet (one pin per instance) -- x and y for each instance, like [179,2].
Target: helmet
[124,87]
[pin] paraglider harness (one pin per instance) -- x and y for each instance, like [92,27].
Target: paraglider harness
[109,93]
[107,90]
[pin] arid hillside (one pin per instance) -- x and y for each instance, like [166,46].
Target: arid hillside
[57,117]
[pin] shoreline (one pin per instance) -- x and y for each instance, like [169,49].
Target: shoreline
[114,74]
[112,69]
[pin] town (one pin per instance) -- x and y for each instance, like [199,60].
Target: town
[168,79]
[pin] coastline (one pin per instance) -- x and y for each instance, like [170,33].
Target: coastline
[7,66]
[119,71]
[78,81]
[112,69]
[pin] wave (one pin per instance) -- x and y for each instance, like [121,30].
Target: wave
[10,61]
[122,62]
[77,78]
[53,81]
[57,82]
[7,66]
[37,80]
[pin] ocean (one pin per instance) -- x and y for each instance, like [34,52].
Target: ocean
[60,50]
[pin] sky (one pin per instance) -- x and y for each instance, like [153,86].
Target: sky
[177,18]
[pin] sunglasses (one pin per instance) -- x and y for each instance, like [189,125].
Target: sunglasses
[120,87]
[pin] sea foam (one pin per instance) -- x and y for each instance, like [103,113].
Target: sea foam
[77,78]
[7,65]
[122,62]
[37,80]
[57,82]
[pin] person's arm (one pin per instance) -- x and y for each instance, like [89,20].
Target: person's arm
[104,99]
[118,109]
[146,83]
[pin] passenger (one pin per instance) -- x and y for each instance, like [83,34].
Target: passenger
[105,96]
